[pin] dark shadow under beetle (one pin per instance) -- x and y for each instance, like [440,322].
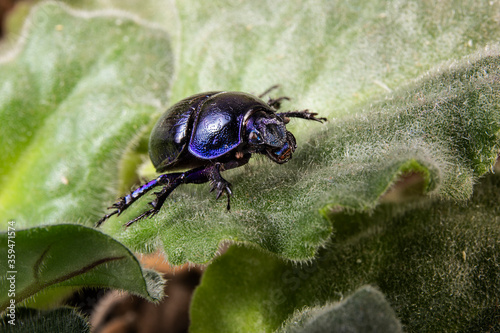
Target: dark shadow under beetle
[209,133]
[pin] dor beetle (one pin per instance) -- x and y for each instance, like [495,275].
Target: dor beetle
[212,132]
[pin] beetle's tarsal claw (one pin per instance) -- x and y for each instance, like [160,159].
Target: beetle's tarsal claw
[105,217]
[222,186]
[148,213]
[229,194]
[118,207]
[312,116]
[219,183]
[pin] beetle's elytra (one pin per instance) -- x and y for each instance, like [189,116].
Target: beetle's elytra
[212,132]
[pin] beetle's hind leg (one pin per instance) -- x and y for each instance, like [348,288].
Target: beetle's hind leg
[157,203]
[194,176]
[125,202]
[170,182]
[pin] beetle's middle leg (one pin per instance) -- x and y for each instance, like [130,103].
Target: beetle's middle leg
[274,102]
[195,176]
[171,181]
[212,174]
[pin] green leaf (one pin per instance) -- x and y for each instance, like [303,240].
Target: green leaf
[443,127]
[349,54]
[341,59]
[411,92]
[365,311]
[438,265]
[61,320]
[69,255]
[74,97]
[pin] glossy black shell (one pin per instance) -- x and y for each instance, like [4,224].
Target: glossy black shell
[200,128]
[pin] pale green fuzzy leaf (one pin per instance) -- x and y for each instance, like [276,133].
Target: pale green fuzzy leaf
[73,98]
[410,88]
[443,127]
[331,57]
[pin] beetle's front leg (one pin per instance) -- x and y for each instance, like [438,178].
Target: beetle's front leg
[304,114]
[212,173]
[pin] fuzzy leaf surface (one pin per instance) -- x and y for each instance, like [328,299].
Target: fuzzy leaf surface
[366,311]
[441,127]
[438,266]
[74,97]
[62,320]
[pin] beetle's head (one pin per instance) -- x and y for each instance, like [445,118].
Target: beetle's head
[267,134]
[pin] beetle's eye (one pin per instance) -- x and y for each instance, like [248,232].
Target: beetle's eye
[254,137]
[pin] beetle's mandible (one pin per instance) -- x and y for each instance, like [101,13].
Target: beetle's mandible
[208,133]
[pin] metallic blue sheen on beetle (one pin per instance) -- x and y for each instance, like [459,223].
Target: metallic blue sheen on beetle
[208,133]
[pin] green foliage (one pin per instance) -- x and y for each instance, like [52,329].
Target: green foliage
[62,320]
[55,257]
[437,264]
[73,99]
[365,311]
[443,127]
[411,90]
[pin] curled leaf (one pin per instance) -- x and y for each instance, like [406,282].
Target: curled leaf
[69,255]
